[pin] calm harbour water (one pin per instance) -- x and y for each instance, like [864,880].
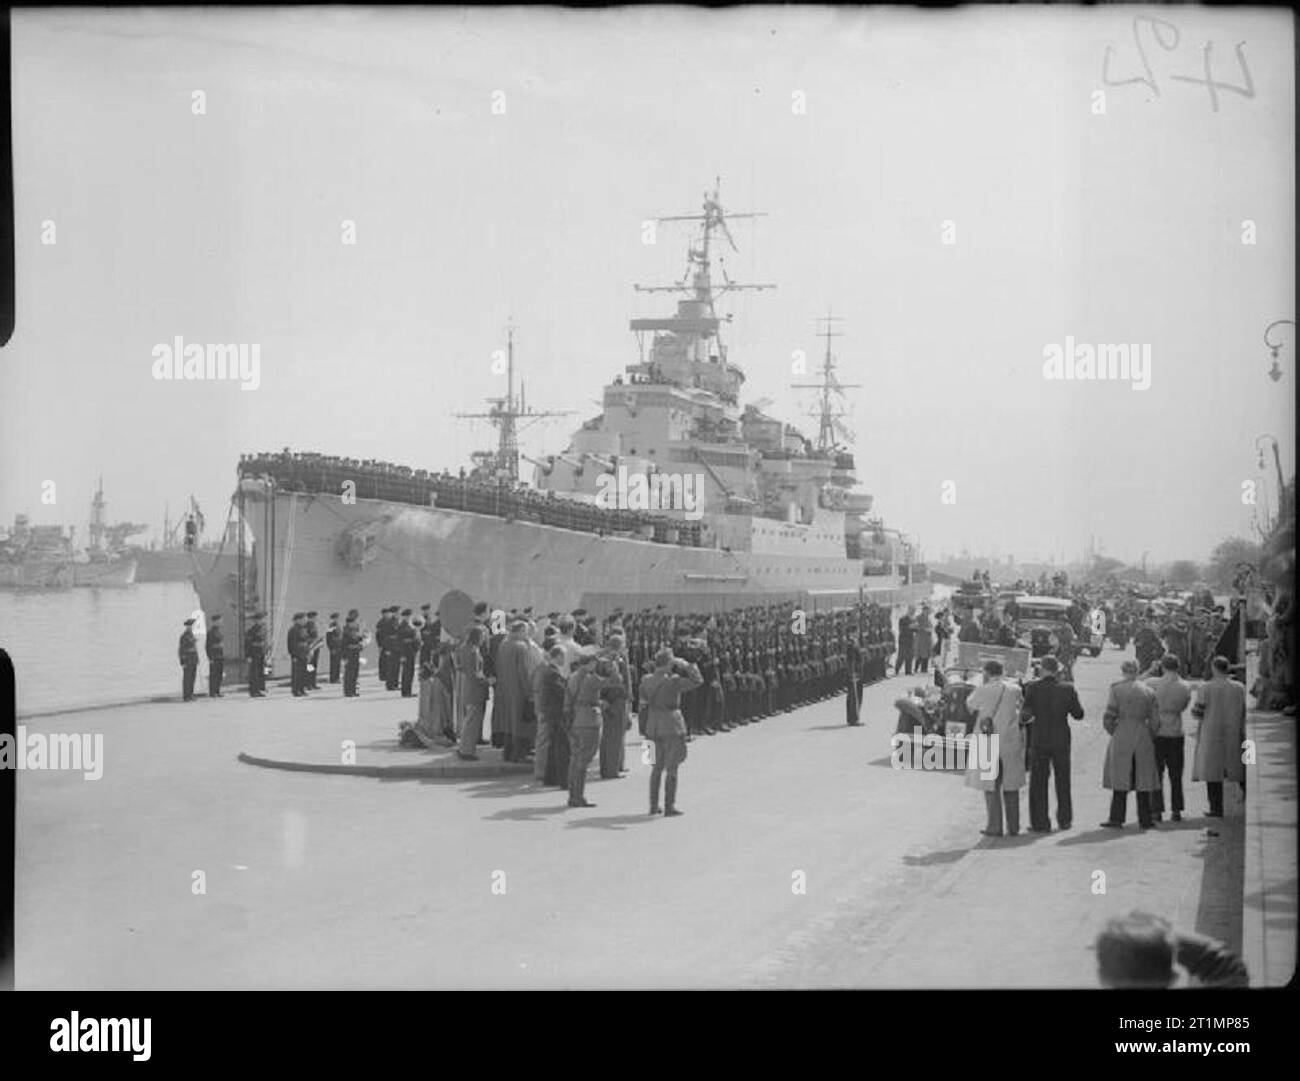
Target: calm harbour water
[75,647]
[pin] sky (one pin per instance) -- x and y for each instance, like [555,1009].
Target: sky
[498,166]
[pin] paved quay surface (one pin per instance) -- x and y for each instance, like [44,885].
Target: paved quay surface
[1269,901]
[316,881]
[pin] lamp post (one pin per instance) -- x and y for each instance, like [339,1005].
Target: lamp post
[1275,369]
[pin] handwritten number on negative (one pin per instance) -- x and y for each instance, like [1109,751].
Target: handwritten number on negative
[1149,79]
[1248,91]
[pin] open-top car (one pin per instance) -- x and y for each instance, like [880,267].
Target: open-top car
[938,712]
[1038,625]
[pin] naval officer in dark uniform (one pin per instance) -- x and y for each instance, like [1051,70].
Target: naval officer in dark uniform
[408,646]
[189,657]
[853,680]
[352,641]
[296,641]
[334,643]
[215,647]
[255,652]
[313,640]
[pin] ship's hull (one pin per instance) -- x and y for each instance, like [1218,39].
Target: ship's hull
[178,565]
[110,574]
[36,574]
[319,553]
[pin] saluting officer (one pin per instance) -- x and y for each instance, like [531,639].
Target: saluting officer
[334,643]
[215,647]
[189,658]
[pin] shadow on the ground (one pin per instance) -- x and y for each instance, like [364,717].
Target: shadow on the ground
[1005,841]
[1131,829]
[888,762]
[933,859]
[527,814]
[611,822]
[1223,877]
[513,784]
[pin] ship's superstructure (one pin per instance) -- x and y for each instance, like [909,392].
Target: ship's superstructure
[745,507]
[762,487]
[45,557]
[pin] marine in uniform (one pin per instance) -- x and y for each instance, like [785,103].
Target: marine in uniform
[334,643]
[852,682]
[430,634]
[393,645]
[255,653]
[314,643]
[381,644]
[351,641]
[296,642]
[215,648]
[188,651]
[408,648]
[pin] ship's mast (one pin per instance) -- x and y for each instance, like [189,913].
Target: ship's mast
[505,415]
[97,506]
[830,419]
[698,279]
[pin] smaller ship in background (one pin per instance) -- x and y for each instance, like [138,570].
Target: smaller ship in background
[185,552]
[45,557]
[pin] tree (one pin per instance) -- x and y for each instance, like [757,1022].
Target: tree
[1183,572]
[1277,558]
[1227,554]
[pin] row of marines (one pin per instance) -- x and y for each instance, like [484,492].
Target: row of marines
[757,661]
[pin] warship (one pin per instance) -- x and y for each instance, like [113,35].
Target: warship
[44,557]
[776,517]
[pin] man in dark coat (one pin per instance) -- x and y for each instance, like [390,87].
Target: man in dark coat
[1050,703]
